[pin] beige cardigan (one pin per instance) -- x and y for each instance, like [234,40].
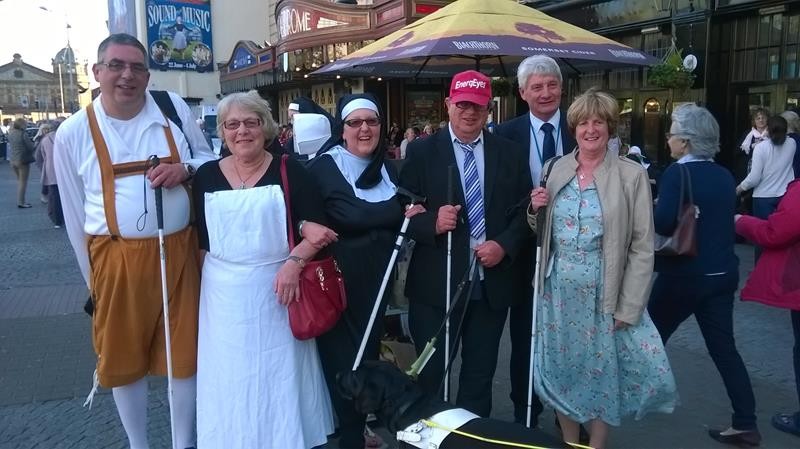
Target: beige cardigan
[627,208]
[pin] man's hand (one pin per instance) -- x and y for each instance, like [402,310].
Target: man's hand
[447,218]
[167,175]
[489,253]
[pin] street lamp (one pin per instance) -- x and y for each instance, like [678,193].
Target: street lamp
[68,57]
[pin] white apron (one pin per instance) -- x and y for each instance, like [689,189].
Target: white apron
[257,386]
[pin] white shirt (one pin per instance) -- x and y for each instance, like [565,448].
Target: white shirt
[80,185]
[537,143]
[772,169]
[479,164]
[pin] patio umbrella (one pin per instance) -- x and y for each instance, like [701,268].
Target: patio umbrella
[492,36]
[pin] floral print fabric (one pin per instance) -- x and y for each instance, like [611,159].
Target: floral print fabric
[582,367]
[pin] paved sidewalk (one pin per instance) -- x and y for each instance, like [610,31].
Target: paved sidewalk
[46,358]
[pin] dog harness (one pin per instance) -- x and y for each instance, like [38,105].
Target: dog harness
[424,436]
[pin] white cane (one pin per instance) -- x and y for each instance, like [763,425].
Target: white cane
[377,305]
[540,223]
[446,394]
[154,161]
[533,320]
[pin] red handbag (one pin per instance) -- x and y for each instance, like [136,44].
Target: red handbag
[322,295]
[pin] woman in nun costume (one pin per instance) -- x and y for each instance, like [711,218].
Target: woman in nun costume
[358,189]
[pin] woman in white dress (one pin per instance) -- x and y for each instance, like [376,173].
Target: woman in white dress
[257,386]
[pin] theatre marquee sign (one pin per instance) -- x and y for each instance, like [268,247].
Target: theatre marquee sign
[301,19]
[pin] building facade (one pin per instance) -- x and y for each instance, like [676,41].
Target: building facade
[311,33]
[36,94]
[746,52]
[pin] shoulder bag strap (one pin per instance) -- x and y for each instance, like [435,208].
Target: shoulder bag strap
[682,200]
[287,200]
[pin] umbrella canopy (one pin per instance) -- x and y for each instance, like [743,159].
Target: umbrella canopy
[492,36]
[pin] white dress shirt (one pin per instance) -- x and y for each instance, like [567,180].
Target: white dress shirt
[80,185]
[479,164]
[537,143]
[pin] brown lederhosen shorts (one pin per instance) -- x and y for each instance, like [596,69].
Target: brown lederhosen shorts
[128,321]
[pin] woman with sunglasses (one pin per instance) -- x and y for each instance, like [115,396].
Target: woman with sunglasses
[358,189]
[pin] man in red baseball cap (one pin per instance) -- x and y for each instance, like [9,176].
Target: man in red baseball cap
[490,177]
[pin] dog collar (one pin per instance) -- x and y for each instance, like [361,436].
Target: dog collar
[423,436]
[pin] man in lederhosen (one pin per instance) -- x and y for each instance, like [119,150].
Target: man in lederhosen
[106,188]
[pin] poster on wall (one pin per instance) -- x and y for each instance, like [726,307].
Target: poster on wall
[179,35]
[122,17]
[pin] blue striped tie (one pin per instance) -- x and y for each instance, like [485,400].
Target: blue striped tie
[473,195]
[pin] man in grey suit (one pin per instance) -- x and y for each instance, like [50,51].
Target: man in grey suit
[544,134]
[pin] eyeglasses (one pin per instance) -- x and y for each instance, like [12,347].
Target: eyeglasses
[670,135]
[357,122]
[119,66]
[233,125]
[470,105]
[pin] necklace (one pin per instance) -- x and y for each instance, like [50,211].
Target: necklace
[243,182]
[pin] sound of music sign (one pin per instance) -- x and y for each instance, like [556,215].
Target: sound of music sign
[179,35]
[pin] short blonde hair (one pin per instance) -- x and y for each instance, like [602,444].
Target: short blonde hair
[594,102]
[250,102]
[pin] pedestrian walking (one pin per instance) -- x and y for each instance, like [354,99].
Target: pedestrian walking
[257,385]
[598,357]
[771,169]
[486,225]
[703,285]
[49,183]
[106,187]
[774,280]
[20,150]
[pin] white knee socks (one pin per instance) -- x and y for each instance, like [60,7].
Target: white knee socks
[184,399]
[131,403]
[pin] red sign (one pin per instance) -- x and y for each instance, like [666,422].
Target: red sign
[426,9]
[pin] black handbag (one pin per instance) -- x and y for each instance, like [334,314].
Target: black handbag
[683,241]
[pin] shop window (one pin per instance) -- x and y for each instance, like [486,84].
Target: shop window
[625,116]
[793,30]
[791,61]
[792,100]
[590,79]
[758,45]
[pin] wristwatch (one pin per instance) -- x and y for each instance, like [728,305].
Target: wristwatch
[189,169]
[299,260]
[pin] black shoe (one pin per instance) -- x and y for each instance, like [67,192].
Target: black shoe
[24,206]
[583,435]
[748,438]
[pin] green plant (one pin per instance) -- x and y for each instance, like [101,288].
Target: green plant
[501,87]
[671,74]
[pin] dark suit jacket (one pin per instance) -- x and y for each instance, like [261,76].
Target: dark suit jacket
[507,183]
[519,130]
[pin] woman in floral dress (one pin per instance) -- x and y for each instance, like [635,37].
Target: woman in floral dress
[598,357]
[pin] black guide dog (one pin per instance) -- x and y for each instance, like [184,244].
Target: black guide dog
[382,389]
